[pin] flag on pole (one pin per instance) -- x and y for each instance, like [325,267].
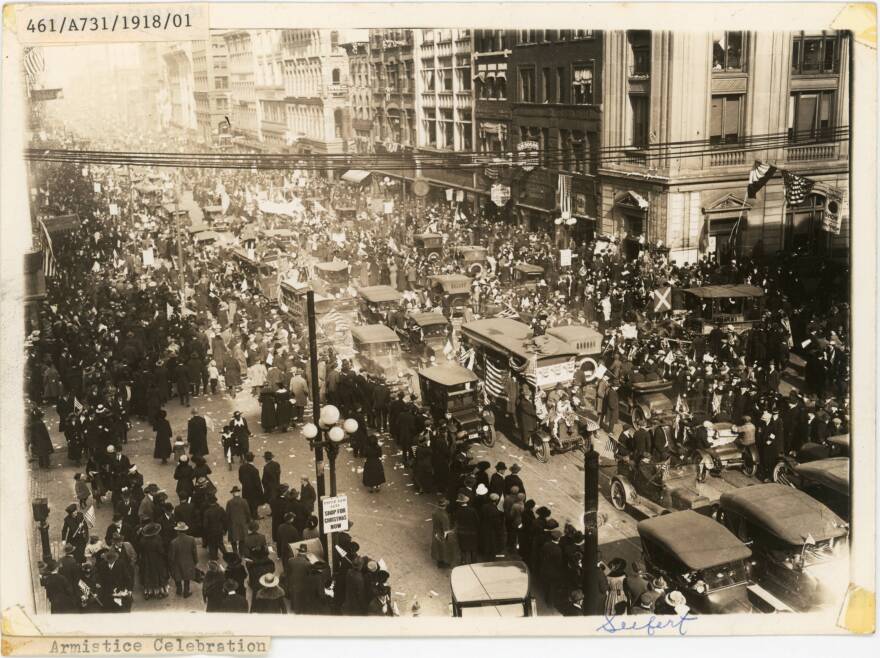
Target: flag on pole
[77,405]
[89,516]
[758,177]
[703,244]
[564,192]
[796,188]
[734,234]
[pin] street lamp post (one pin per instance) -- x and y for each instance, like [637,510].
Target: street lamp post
[329,434]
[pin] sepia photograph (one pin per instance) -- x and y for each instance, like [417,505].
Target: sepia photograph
[345,318]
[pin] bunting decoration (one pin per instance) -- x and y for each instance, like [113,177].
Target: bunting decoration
[49,262]
[564,191]
[758,177]
[496,380]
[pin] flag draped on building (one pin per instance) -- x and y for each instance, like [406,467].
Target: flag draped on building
[758,177]
[49,263]
[796,188]
[34,64]
[703,244]
[564,191]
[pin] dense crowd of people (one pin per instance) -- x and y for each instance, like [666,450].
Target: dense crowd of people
[118,342]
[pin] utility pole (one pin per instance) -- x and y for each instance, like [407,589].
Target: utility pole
[316,408]
[589,564]
[177,214]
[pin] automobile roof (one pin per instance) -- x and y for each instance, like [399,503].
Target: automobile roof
[575,332]
[428,319]
[374,333]
[696,540]
[786,512]
[515,337]
[726,291]
[376,294]
[490,581]
[528,268]
[448,374]
[832,472]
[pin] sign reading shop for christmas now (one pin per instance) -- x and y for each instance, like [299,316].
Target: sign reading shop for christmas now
[335,513]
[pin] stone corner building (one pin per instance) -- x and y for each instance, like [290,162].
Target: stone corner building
[786,92]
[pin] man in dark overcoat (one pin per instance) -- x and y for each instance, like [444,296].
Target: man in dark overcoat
[197,434]
[251,486]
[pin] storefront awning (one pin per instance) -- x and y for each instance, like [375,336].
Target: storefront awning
[355,175]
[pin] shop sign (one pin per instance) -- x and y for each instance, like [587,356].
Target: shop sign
[529,155]
[558,373]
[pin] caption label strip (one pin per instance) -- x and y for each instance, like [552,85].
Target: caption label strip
[136,646]
[68,24]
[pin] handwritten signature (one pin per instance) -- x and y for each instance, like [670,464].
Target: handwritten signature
[651,625]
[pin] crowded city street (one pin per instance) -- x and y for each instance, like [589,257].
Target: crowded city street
[314,383]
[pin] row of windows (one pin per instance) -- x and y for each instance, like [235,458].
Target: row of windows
[566,150]
[558,85]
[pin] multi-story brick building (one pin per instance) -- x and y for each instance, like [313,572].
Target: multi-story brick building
[246,122]
[211,87]
[316,78]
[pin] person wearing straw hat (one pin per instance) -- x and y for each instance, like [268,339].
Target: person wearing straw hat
[269,599]
[182,559]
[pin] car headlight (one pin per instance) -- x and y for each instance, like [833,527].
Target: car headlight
[462,434]
[485,428]
[700,587]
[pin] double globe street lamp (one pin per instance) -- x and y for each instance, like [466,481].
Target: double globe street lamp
[333,433]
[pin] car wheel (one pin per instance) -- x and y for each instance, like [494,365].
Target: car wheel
[489,437]
[749,467]
[638,417]
[542,451]
[783,474]
[618,495]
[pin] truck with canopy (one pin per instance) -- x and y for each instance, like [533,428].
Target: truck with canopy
[734,306]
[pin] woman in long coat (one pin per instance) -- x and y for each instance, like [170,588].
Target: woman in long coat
[467,527]
[444,541]
[51,384]
[374,473]
[153,561]
[267,409]
[163,438]
[184,475]
[212,587]
[232,373]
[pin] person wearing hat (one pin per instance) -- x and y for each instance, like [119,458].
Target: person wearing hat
[75,531]
[286,534]
[182,559]
[467,527]
[512,479]
[197,434]
[271,479]
[115,582]
[214,526]
[770,443]
[241,433]
[269,599]
[673,603]
[644,606]
[254,542]
[69,567]
[233,600]
[153,561]
[251,485]
[63,596]
[162,449]
[493,528]
[238,516]
[444,541]
[496,482]
[296,577]
[551,569]
[38,438]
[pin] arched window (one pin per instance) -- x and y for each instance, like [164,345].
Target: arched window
[803,226]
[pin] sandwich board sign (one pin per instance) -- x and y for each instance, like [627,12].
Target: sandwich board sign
[335,513]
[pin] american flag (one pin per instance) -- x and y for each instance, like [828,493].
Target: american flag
[564,191]
[34,64]
[89,516]
[335,318]
[496,380]
[49,263]
[796,188]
